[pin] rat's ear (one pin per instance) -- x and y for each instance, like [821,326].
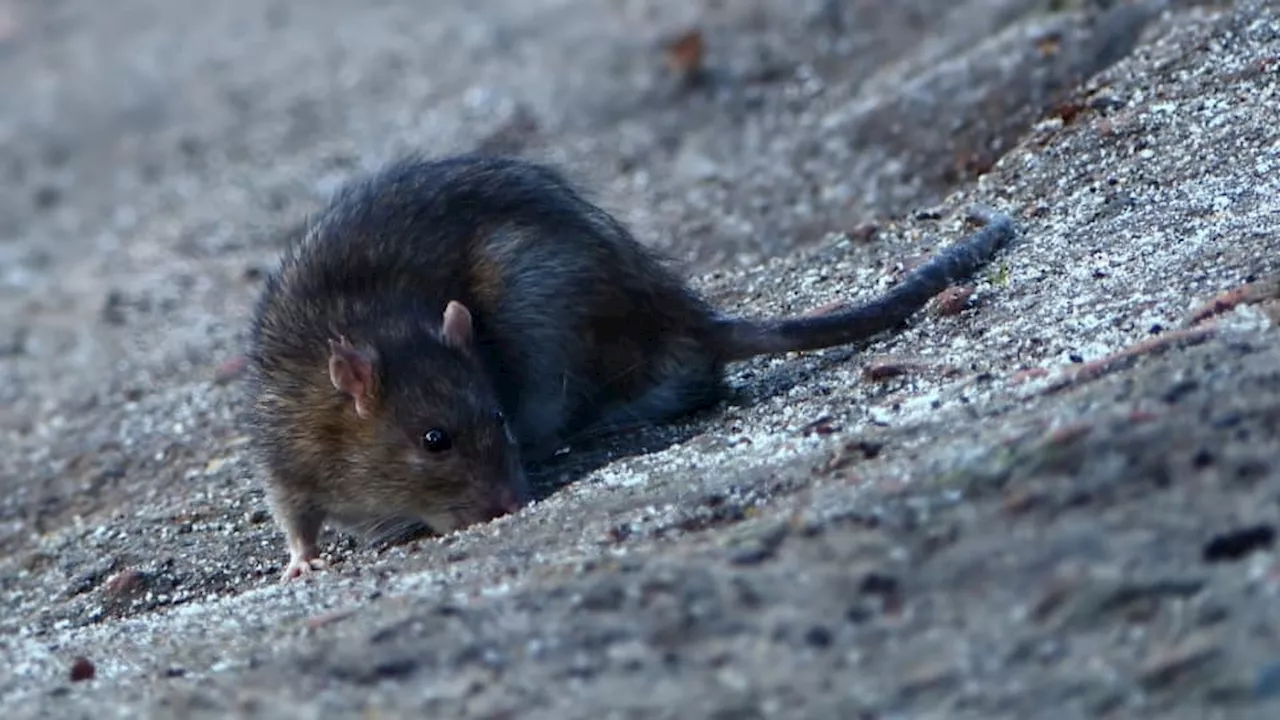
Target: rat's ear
[455,330]
[352,372]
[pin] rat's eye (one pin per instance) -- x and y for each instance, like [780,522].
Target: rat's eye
[436,440]
[497,415]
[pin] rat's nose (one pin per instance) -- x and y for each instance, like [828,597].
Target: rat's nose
[510,499]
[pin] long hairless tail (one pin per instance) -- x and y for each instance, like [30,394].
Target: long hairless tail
[745,338]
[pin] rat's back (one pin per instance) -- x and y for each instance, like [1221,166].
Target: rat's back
[404,235]
[424,225]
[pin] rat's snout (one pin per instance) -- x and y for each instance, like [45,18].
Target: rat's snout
[511,499]
[511,495]
[514,493]
[504,493]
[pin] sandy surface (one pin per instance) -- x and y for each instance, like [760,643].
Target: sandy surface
[1060,502]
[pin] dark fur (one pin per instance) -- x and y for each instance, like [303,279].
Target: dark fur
[578,328]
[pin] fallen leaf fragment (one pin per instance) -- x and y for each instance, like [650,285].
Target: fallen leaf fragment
[685,54]
[1159,343]
[1248,294]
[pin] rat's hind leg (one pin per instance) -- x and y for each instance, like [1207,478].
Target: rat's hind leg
[677,394]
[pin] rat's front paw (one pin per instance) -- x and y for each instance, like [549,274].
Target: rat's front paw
[299,566]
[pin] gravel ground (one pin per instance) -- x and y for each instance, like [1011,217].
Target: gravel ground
[1058,502]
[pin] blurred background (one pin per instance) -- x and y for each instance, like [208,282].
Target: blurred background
[155,154]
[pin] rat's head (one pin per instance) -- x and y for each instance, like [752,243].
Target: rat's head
[435,444]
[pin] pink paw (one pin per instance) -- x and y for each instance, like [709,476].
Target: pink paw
[299,566]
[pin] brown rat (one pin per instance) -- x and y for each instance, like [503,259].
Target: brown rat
[443,322]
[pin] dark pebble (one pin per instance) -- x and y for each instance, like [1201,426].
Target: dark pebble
[82,669]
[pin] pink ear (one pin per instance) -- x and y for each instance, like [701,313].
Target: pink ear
[351,371]
[456,327]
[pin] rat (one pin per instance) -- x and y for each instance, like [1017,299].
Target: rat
[444,322]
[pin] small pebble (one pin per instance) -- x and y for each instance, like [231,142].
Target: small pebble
[82,669]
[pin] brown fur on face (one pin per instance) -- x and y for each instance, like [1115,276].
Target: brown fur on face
[341,424]
[433,446]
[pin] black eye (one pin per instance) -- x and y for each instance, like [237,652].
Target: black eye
[497,415]
[436,440]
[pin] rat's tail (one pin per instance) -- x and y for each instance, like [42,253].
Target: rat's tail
[747,338]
